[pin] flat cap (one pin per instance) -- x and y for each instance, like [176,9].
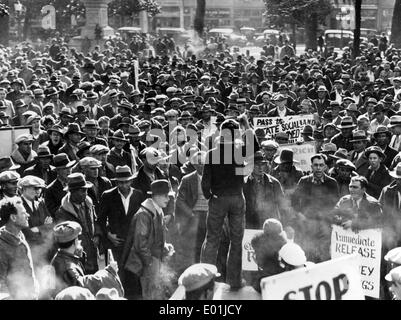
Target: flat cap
[90,162]
[394,275]
[67,231]
[197,275]
[292,254]
[31,181]
[98,149]
[8,176]
[394,256]
[24,138]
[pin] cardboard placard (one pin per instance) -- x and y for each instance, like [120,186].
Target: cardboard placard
[248,253]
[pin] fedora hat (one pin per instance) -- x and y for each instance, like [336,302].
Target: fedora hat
[43,152]
[119,135]
[161,186]
[341,153]
[82,147]
[329,148]
[259,157]
[73,128]
[396,173]
[359,135]
[395,121]
[133,130]
[7,164]
[382,129]
[56,128]
[346,123]
[61,161]
[77,181]
[91,123]
[375,149]
[286,156]
[353,108]
[123,173]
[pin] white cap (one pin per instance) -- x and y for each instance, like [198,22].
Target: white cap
[292,254]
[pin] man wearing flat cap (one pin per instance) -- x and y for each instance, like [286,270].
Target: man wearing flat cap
[8,184]
[78,206]
[23,155]
[199,281]
[68,267]
[146,247]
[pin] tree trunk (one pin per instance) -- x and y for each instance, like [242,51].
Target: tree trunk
[294,36]
[357,31]
[4,27]
[311,25]
[396,24]
[199,21]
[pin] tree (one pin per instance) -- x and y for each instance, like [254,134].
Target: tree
[357,31]
[199,21]
[128,7]
[307,13]
[3,10]
[396,25]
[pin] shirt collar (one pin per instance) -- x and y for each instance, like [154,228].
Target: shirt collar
[157,207]
[315,180]
[129,194]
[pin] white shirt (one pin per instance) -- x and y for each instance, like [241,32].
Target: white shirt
[126,200]
[395,142]
[29,202]
[281,114]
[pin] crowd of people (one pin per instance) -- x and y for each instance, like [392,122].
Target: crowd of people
[158,172]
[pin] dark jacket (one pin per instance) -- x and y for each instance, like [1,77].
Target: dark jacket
[361,164]
[112,217]
[315,201]
[377,181]
[53,195]
[289,181]
[90,228]
[67,149]
[263,200]
[116,159]
[37,171]
[225,178]
[274,112]
[390,155]
[69,272]
[187,195]
[146,239]
[104,184]
[16,269]
[341,142]
[368,215]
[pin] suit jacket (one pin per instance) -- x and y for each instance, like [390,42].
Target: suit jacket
[390,155]
[104,184]
[367,215]
[119,160]
[67,149]
[187,195]
[112,216]
[377,181]
[54,193]
[361,164]
[108,110]
[321,107]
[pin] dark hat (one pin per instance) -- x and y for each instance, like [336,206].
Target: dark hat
[61,161]
[259,157]
[161,186]
[66,112]
[378,108]
[73,128]
[82,147]
[43,152]
[341,153]
[328,115]
[77,181]
[307,130]
[375,149]
[20,103]
[67,231]
[134,130]
[56,128]
[6,163]
[286,156]
[334,104]
[346,123]
[185,115]
[123,173]
[359,135]
[126,121]
[395,121]
[119,135]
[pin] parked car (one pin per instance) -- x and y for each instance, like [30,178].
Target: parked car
[232,38]
[338,38]
[180,35]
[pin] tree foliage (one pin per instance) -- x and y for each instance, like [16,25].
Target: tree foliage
[306,13]
[128,7]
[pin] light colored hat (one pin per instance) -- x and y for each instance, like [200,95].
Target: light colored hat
[394,275]
[108,293]
[394,256]
[90,162]
[197,275]
[98,149]
[123,173]
[292,254]
[152,155]
[75,293]
[31,181]
[8,176]
[24,138]
[67,231]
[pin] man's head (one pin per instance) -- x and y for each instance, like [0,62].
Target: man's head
[78,187]
[123,178]
[90,167]
[160,192]
[359,140]
[66,235]
[55,134]
[31,187]
[357,187]
[396,174]
[259,164]
[8,183]
[318,165]
[13,213]
[198,281]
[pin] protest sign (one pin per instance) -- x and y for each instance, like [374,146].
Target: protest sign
[7,138]
[367,243]
[302,153]
[248,254]
[293,125]
[336,279]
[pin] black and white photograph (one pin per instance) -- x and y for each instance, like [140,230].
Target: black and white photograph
[200,154]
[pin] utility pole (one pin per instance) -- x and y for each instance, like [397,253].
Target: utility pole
[357,31]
